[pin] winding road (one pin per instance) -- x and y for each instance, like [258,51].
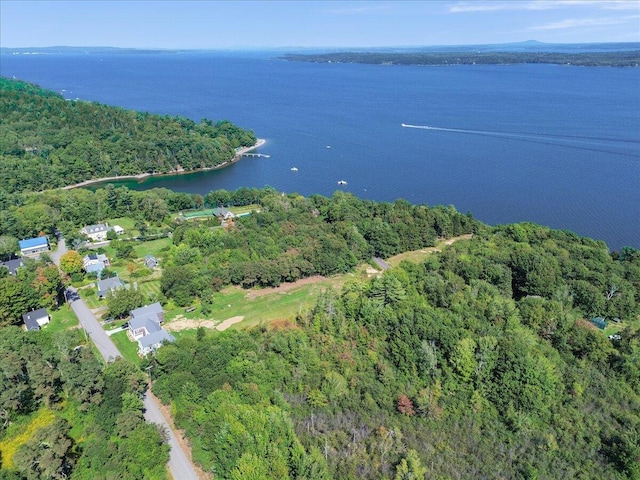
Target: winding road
[179,464]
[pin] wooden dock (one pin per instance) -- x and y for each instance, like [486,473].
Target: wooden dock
[256,155]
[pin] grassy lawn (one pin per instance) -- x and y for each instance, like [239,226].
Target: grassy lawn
[244,210]
[234,301]
[152,247]
[62,319]
[127,223]
[128,349]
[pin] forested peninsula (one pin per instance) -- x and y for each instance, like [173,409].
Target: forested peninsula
[47,141]
[509,351]
[590,59]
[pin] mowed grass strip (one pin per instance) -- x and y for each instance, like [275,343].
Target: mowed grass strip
[19,433]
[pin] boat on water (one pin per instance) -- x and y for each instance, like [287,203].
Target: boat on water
[328,146]
[294,169]
[341,182]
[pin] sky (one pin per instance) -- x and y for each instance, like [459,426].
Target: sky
[246,24]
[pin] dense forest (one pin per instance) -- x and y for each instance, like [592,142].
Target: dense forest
[478,363]
[83,420]
[590,59]
[47,141]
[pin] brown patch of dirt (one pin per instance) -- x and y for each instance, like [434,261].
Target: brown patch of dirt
[284,287]
[228,322]
[187,324]
[283,324]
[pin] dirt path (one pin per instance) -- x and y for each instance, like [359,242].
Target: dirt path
[284,287]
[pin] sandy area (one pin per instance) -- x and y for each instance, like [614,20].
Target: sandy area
[181,323]
[228,322]
[284,287]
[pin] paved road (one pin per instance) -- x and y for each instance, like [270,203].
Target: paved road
[93,328]
[179,464]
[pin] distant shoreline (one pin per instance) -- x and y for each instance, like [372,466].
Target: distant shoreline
[179,171]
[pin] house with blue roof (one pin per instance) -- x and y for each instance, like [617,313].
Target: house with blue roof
[33,246]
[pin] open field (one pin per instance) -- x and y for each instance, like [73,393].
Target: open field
[263,305]
[417,256]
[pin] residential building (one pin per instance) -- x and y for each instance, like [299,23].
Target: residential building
[35,319]
[95,262]
[96,233]
[108,285]
[145,328]
[150,261]
[222,213]
[34,246]
[12,265]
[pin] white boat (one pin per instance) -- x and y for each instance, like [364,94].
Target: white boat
[328,146]
[341,182]
[294,169]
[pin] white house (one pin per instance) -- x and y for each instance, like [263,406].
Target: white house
[118,230]
[95,262]
[97,232]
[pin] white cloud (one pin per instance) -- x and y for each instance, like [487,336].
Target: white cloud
[585,22]
[481,6]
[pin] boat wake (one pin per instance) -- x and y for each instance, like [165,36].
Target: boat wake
[572,141]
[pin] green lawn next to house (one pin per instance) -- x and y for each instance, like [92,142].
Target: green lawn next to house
[62,319]
[128,349]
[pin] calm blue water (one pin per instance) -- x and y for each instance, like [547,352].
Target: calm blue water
[555,145]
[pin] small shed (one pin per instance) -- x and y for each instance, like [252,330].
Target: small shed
[35,319]
[599,322]
[150,261]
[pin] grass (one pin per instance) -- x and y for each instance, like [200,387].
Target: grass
[245,209]
[20,432]
[62,319]
[152,247]
[128,349]
[234,301]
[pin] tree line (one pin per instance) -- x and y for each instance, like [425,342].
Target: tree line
[47,141]
[479,360]
[587,59]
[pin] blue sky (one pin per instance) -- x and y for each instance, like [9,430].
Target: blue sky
[264,24]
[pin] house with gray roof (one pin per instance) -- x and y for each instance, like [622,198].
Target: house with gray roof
[35,319]
[109,285]
[153,341]
[97,232]
[222,213]
[95,262]
[13,265]
[144,327]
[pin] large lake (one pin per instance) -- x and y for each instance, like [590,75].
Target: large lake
[555,145]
